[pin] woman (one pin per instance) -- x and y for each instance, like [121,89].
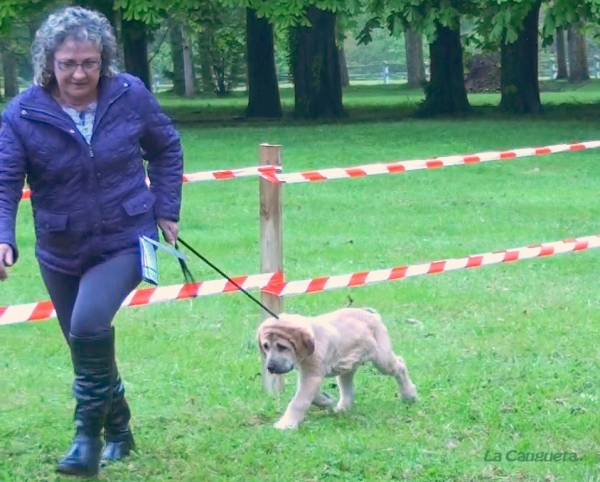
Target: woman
[77,135]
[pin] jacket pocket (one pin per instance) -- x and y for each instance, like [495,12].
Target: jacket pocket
[139,204]
[51,222]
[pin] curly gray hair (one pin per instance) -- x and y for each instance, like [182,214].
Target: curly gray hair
[81,25]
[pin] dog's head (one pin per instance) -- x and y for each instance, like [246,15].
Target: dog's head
[284,343]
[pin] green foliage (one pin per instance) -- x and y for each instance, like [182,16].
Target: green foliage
[227,51]
[151,12]
[382,46]
[561,13]
[289,13]
[220,23]
[222,29]
[504,18]
[494,19]
[19,10]
[160,55]
[421,15]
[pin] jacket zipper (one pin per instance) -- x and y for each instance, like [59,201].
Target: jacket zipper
[111,102]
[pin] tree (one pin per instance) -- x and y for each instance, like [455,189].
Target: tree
[439,21]
[415,67]
[344,77]
[578,61]
[105,7]
[561,55]
[188,64]
[572,15]
[312,52]
[513,28]
[9,68]
[135,49]
[342,23]
[176,42]
[204,40]
[18,23]
[445,92]
[519,82]
[315,67]
[263,89]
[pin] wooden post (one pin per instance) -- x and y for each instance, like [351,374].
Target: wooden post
[271,247]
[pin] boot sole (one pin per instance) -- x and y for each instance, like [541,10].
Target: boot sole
[75,471]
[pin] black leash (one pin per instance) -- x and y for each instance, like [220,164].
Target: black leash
[186,273]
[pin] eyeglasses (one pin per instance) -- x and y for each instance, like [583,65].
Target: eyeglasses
[88,66]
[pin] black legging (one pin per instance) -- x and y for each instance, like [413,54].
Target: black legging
[86,305]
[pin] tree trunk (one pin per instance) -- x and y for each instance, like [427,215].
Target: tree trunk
[105,7]
[263,88]
[9,67]
[519,81]
[135,50]
[561,55]
[34,22]
[345,78]
[316,69]
[340,39]
[446,93]
[578,61]
[204,42]
[415,66]
[176,41]
[188,64]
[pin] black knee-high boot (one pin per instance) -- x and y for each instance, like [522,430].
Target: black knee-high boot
[93,362]
[118,436]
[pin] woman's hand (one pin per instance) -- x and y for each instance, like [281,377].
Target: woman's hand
[170,230]
[6,259]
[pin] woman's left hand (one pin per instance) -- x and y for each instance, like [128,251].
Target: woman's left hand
[170,230]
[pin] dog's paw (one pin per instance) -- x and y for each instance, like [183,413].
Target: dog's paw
[341,408]
[410,394]
[323,400]
[284,424]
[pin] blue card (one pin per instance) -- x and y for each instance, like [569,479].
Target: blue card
[149,261]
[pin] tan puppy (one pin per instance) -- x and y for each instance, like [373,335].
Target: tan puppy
[333,344]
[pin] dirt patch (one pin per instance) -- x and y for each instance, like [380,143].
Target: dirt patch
[484,73]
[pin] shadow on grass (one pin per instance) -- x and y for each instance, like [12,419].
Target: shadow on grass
[385,103]
[229,117]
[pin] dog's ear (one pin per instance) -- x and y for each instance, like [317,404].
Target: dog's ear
[299,335]
[259,343]
[308,340]
[259,334]
[304,342]
[264,329]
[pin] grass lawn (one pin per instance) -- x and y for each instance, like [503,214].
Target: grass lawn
[507,358]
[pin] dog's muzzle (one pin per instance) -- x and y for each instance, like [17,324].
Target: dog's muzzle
[278,369]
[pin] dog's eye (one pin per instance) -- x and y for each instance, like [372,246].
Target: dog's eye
[281,347]
[266,346]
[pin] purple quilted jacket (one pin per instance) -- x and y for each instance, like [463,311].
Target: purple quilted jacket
[89,201]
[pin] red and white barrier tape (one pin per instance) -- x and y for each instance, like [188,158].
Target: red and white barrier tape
[273,283]
[434,163]
[209,175]
[44,309]
[367,277]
